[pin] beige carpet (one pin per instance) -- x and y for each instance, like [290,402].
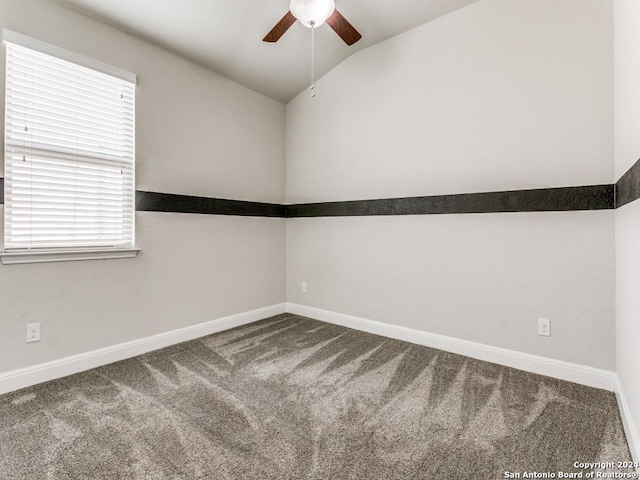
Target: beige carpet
[294,398]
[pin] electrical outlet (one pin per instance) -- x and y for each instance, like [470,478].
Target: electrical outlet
[303,287]
[544,327]
[33,332]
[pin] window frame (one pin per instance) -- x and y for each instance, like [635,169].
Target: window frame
[68,253]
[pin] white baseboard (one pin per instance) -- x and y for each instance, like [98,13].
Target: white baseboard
[25,377]
[627,420]
[592,377]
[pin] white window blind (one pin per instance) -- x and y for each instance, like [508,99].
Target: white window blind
[69,155]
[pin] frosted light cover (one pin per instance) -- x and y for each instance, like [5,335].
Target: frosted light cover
[312,13]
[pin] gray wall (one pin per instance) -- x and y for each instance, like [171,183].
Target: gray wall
[627,151]
[191,133]
[499,95]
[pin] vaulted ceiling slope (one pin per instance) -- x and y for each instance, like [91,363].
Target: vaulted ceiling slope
[226,35]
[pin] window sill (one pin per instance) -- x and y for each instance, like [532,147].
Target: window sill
[40,256]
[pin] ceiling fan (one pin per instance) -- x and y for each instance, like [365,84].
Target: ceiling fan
[312,14]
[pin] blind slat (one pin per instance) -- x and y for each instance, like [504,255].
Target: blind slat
[61,77]
[54,158]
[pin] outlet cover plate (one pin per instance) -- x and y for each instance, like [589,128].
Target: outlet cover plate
[33,332]
[544,327]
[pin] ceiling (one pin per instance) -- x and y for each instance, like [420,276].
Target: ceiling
[226,35]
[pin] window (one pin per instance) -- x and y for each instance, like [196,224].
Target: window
[69,156]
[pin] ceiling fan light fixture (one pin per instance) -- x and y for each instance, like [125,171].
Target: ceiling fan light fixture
[312,13]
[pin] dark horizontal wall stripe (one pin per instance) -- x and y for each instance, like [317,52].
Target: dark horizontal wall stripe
[628,187]
[594,197]
[167,202]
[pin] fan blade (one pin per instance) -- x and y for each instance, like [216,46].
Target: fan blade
[281,27]
[343,28]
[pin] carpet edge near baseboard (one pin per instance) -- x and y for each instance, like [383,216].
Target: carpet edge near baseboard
[43,372]
[630,429]
[572,372]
